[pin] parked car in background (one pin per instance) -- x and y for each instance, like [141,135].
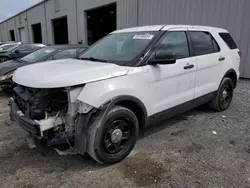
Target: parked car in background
[5,47]
[48,53]
[18,51]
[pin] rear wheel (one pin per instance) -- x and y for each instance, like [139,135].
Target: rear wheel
[112,140]
[224,95]
[3,59]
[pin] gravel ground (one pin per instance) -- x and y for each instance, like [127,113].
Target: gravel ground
[198,149]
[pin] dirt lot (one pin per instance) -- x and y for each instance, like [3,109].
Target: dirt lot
[183,152]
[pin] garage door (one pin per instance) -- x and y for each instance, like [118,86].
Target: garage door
[22,35]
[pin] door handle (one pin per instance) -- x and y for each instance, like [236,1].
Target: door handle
[222,58]
[188,66]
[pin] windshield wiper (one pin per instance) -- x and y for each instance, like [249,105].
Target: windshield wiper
[93,59]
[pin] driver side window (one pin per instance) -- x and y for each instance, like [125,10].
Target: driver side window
[174,42]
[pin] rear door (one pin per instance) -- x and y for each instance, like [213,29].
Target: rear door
[209,61]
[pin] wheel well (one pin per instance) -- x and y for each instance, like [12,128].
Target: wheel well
[136,109]
[233,77]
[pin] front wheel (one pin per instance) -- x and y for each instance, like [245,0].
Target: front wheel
[113,139]
[224,95]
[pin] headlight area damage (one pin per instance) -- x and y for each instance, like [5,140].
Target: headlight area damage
[53,115]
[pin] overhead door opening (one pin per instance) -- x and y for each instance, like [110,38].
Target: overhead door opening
[100,22]
[37,33]
[12,35]
[60,26]
[22,34]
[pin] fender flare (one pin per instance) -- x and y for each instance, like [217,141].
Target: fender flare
[228,72]
[110,103]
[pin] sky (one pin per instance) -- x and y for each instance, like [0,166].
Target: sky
[9,8]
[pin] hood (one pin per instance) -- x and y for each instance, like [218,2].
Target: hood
[66,72]
[9,66]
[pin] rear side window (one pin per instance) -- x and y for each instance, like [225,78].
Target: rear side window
[228,40]
[203,43]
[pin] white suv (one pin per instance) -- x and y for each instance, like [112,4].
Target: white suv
[130,79]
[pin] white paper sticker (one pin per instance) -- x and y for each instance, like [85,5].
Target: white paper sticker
[143,37]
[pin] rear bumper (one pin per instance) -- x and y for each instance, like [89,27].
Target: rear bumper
[25,123]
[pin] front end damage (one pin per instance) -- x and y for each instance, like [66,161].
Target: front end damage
[53,115]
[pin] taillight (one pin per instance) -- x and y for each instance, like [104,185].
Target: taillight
[240,53]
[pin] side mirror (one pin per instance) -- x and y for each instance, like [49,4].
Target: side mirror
[17,51]
[162,58]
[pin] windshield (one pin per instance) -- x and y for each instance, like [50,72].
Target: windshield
[37,55]
[119,47]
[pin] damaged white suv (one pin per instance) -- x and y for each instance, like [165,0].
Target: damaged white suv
[130,79]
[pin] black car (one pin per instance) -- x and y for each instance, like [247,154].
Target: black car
[48,53]
[18,51]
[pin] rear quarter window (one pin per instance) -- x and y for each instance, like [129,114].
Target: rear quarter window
[228,39]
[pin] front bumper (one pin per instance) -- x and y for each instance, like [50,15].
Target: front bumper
[33,128]
[25,123]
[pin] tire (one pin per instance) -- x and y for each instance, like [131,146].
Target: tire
[224,95]
[104,138]
[3,59]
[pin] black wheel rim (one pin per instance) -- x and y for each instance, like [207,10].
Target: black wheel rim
[226,96]
[117,136]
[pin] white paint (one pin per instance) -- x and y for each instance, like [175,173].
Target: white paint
[209,69]
[168,27]
[158,87]
[67,72]
[138,29]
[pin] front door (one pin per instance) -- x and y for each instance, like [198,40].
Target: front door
[172,84]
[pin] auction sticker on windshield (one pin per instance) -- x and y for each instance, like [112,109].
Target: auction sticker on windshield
[143,37]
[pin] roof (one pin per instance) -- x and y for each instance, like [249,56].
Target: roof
[167,27]
[64,46]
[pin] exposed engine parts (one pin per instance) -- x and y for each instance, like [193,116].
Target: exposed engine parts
[35,103]
[53,111]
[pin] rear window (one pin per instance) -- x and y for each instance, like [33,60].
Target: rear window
[228,40]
